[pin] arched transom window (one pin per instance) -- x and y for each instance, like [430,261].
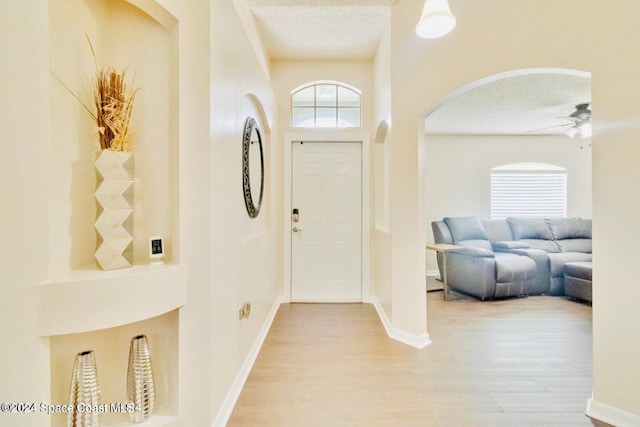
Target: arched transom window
[325,104]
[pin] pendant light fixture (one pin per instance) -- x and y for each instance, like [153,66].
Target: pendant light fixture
[436,21]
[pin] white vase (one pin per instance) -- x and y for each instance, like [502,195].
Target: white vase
[114,199]
[85,391]
[140,385]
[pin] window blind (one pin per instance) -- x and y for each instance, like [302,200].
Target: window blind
[530,194]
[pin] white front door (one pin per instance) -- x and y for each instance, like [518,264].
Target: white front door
[326,241]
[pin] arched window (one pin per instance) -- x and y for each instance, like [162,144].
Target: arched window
[325,104]
[528,190]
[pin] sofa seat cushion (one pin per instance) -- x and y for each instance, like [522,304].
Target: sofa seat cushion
[484,244]
[549,246]
[575,245]
[580,269]
[557,261]
[578,280]
[513,268]
[509,245]
[472,251]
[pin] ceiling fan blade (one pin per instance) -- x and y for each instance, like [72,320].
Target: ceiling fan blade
[550,127]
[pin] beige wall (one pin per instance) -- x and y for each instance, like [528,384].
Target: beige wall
[496,36]
[381,281]
[246,260]
[458,168]
[230,258]
[24,189]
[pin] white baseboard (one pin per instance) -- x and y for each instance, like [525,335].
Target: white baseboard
[417,341]
[433,281]
[433,273]
[236,388]
[611,415]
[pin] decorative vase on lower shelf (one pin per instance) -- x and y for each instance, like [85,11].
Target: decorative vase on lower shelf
[85,391]
[114,199]
[140,386]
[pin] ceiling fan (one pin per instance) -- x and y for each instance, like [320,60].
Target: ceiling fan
[580,122]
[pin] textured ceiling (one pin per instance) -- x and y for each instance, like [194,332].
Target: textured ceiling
[351,29]
[521,104]
[328,32]
[318,29]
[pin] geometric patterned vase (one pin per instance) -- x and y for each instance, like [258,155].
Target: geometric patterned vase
[140,387]
[114,200]
[84,392]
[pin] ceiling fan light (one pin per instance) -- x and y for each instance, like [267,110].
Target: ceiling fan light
[586,130]
[571,132]
[436,21]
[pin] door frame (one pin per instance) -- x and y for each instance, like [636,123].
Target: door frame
[365,220]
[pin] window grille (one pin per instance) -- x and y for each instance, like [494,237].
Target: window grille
[325,104]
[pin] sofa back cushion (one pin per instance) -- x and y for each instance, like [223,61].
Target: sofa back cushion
[569,228]
[572,234]
[467,231]
[535,232]
[497,230]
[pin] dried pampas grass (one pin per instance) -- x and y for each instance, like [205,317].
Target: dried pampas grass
[113,100]
[114,103]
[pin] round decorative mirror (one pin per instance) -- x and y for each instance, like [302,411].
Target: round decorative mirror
[252,167]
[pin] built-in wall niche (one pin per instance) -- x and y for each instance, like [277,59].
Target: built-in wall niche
[111,349]
[123,35]
[82,307]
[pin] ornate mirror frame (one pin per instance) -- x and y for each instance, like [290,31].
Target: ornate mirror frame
[253,208]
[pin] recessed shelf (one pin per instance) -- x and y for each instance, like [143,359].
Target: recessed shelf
[111,348]
[88,300]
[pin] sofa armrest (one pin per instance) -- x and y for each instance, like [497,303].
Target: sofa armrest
[508,245]
[472,251]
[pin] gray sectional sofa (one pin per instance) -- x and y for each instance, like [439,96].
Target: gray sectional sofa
[517,256]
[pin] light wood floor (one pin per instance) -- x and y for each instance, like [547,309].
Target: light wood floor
[516,362]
